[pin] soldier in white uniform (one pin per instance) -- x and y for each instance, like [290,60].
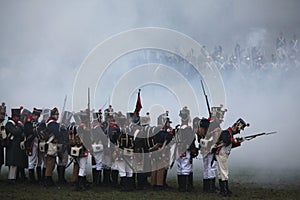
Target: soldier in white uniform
[210,168]
[185,149]
[224,145]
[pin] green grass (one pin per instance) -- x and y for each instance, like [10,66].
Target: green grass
[240,190]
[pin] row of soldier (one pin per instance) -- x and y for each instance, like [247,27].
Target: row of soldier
[125,150]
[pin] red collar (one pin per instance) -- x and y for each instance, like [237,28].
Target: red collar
[230,130]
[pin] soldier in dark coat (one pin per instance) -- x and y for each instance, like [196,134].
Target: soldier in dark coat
[54,137]
[3,133]
[62,153]
[30,131]
[15,156]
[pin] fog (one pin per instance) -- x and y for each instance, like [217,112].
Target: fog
[44,44]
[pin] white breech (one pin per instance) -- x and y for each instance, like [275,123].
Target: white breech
[98,159]
[184,166]
[82,162]
[223,171]
[33,159]
[209,171]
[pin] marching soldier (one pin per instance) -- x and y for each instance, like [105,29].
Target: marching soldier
[30,131]
[186,152]
[3,135]
[15,135]
[224,145]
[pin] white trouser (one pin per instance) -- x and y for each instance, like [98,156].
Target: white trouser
[82,162]
[12,172]
[124,168]
[209,171]
[98,159]
[33,159]
[184,166]
[223,171]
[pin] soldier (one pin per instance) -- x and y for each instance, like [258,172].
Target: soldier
[83,139]
[30,131]
[98,138]
[123,155]
[3,135]
[186,152]
[224,145]
[141,150]
[14,154]
[160,155]
[53,138]
[42,136]
[109,126]
[210,169]
[62,148]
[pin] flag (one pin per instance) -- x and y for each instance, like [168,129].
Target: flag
[138,105]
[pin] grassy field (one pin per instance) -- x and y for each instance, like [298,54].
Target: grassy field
[240,191]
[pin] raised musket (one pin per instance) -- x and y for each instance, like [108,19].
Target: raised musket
[207,103]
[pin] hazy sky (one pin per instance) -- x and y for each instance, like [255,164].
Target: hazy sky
[43,43]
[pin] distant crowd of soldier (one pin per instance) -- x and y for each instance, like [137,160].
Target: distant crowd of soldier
[125,151]
[284,56]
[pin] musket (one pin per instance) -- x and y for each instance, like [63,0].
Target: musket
[63,109]
[207,103]
[89,108]
[250,137]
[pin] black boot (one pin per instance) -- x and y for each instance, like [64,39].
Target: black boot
[114,178]
[190,184]
[165,179]
[223,191]
[212,186]
[22,173]
[31,175]
[86,183]
[95,177]
[123,183]
[39,174]
[79,184]
[61,174]
[106,177]
[181,183]
[205,185]
[43,174]
[228,192]
[49,181]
